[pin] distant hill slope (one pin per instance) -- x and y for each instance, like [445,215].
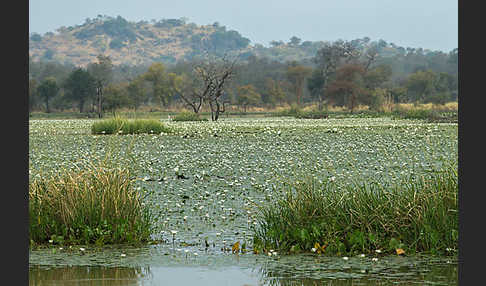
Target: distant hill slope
[132,43]
[170,40]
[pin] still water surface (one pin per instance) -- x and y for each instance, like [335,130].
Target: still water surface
[157,265]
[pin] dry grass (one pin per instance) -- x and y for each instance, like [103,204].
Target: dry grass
[94,205]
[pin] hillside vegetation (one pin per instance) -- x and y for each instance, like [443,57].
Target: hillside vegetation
[133,43]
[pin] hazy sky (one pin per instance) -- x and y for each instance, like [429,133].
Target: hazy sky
[429,24]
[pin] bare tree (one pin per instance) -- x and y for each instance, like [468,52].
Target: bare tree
[191,93]
[213,75]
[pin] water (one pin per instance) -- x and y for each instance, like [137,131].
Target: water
[162,265]
[228,175]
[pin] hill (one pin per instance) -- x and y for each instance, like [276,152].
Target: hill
[133,43]
[171,40]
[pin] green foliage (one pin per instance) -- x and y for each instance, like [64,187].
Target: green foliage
[36,37]
[247,95]
[417,215]
[96,205]
[80,86]
[116,96]
[297,112]
[47,90]
[430,115]
[188,116]
[119,125]
[118,28]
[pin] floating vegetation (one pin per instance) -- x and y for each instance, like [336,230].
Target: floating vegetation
[236,164]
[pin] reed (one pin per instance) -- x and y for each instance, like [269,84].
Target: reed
[118,125]
[94,205]
[417,215]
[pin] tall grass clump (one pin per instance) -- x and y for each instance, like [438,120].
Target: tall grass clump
[93,205]
[188,116]
[418,215]
[429,114]
[297,112]
[119,125]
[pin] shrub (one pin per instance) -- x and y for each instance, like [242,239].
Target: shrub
[188,116]
[418,215]
[96,205]
[124,126]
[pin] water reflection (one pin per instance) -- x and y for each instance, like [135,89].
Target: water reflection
[356,271]
[271,273]
[88,275]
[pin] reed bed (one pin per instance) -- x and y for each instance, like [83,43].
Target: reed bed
[95,205]
[129,126]
[416,215]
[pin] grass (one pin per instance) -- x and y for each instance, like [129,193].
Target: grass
[417,215]
[96,205]
[119,125]
[300,113]
[188,116]
[430,115]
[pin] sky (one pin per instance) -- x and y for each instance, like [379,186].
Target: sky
[427,24]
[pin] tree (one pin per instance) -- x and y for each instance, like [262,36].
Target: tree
[328,58]
[80,86]
[48,89]
[32,94]
[315,84]
[137,93]
[274,91]
[214,74]
[294,41]
[348,88]
[297,75]
[420,85]
[190,92]
[377,76]
[116,96]
[156,75]
[102,72]
[247,95]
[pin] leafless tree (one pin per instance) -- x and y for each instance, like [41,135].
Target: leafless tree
[213,75]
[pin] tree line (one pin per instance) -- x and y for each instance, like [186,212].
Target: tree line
[342,73]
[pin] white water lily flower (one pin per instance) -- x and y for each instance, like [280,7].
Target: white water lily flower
[362,255]
[123,255]
[345,258]
[313,249]
[82,249]
[374,259]
[378,251]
